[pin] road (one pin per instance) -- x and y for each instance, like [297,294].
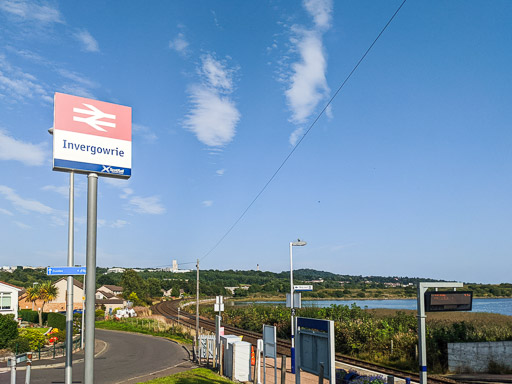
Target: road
[121,357]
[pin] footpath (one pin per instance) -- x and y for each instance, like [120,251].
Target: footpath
[78,356]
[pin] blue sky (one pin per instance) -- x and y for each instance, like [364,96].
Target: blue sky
[407,173]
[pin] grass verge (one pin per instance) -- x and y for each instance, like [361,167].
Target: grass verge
[147,327]
[194,376]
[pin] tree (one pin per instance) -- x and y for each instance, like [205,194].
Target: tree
[44,292]
[8,329]
[132,282]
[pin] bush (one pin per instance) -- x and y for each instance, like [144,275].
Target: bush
[32,316]
[8,330]
[57,320]
[33,337]
[19,345]
[99,313]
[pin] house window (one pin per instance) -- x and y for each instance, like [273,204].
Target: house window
[5,300]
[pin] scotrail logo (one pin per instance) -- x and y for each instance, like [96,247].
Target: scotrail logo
[109,169]
[94,120]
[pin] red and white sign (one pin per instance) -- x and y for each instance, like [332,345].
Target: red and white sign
[92,136]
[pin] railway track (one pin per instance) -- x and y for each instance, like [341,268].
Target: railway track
[169,309]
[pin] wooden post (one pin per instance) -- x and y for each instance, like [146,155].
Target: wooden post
[207,352]
[283,369]
[215,365]
[221,358]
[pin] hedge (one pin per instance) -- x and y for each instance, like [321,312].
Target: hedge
[31,316]
[8,330]
[57,320]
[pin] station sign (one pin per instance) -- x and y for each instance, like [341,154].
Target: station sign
[65,271]
[448,301]
[302,288]
[91,136]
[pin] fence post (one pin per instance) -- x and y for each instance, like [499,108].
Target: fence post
[207,352]
[283,369]
[39,350]
[13,369]
[54,349]
[221,358]
[321,374]
[29,367]
[391,379]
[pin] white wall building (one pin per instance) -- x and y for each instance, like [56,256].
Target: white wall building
[9,299]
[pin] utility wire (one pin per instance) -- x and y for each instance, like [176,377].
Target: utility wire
[303,136]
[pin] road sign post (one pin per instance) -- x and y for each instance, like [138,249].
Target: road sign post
[65,271]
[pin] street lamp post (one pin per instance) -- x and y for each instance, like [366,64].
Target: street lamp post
[297,243]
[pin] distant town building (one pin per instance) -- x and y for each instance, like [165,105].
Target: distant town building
[111,290]
[175,268]
[115,270]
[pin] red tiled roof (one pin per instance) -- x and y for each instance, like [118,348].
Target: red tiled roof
[11,285]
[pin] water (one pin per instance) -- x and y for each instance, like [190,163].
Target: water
[501,306]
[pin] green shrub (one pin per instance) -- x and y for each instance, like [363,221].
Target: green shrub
[57,320]
[33,337]
[19,345]
[32,316]
[99,313]
[8,330]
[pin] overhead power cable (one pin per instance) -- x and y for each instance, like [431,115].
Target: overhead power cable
[304,135]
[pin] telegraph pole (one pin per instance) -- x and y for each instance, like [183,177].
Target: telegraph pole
[197,312]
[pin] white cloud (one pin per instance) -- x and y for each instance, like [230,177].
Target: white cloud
[220,172]
[19,85]
[321,11]
[127,192]
[22,204]
[207,203]
[6,212]
[119,223]
[77,78]
[88,42]
[77,90]
[27,153]
[179,44]
[150,205]
[213,115]
[118,183]
[307,83]
[62,190]
[31,10]
[22,225]
[216,74]
[145,132]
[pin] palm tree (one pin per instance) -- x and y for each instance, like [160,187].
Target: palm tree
[45,292]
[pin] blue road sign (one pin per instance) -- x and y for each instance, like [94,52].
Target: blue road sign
[65,271]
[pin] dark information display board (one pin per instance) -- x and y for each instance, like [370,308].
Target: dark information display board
[448,301]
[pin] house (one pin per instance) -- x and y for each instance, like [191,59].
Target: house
[115,270]
[110,305]
[104,295]
[9,298]
[112,289]
[59,304]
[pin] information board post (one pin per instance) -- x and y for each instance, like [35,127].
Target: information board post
[422,348]
[90,278]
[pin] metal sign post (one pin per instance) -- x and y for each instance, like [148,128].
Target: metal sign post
[90,278]
[422,348]
[90,137]
[70,285]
